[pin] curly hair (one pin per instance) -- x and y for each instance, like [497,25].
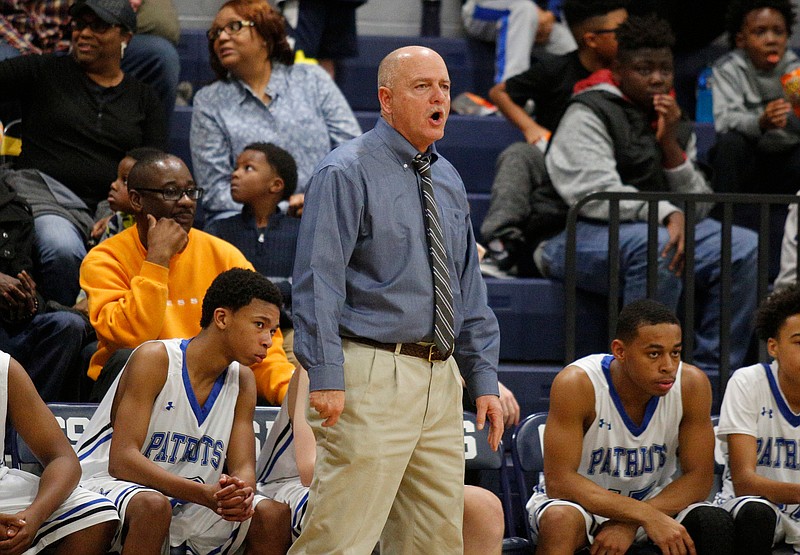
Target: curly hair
[638,32]
[236,288]
[645,312]
[578,11]
[738,10]
[270,26]
[775,309]
[282,164]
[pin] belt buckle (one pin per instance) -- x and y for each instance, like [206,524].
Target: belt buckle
[430,352]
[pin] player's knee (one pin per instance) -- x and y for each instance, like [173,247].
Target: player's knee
[564,524]
[711,529]
[149,510]
[270,527]
[755,526]
[483,510]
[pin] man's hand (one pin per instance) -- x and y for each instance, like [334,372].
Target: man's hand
[100,226]
[669,535]
[510,406]
[775,115]
[234,499]
[676,226]
[29,286]
[489,407]
[296,205]
[669,114]
[613,538]
[17,533]
[546,21]
[12,293]
[165,239]
[135,4]
[329,404]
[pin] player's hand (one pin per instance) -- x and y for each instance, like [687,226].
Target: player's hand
[489,407]
[775,115]
[613,537]
[296,205]
[165,239]
[510,406]
[234,499]
[676,226]
[669,114]
[670,537]
[329,404]
[19,531]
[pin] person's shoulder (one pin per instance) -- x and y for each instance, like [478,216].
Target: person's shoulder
[749,375]
[693,377]
[735,59]
[213,92]
[114,245]
[226,227]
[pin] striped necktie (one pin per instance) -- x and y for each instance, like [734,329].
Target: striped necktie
[443,294]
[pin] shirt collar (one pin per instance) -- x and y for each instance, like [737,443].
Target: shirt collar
[277,85]
[399,145]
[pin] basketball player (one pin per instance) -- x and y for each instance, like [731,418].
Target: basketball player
[38,512]
[180,411]
[759,428]
[286,465]
[617,427]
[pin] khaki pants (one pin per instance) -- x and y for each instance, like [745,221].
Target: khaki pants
[392,468]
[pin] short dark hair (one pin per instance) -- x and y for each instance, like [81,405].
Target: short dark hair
[141,152]
[236,288]
[578,11]
[738,10]
[282,163]
[645,312]
[775,309]
[139,175]
[638,32]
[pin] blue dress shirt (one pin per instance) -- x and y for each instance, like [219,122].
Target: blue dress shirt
[362,267]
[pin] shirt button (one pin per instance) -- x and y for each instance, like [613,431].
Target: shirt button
[405,166]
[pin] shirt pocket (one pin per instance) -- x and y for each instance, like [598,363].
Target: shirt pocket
[455,229]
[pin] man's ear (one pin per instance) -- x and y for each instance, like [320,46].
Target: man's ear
[385,98]
[135,198]
[772,347]
[739,40]
[618,349]
[277,185]
[221,317]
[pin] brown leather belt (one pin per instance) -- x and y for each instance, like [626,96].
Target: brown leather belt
[427,352]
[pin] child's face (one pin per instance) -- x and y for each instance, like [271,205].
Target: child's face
[786,347]
[118,193]
[763,37]
[604,40]
[645,73]
[253,177]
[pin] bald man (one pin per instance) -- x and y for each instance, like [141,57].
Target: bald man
[148,282]
[385,394]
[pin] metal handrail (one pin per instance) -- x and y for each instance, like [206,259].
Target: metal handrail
[690,202]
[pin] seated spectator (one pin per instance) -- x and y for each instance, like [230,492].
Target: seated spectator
[640,402]
[80,114]
[49,511]
[788,270]
[759,434]
[147,281]
[265,175]
[521,177]
[260,96]
[519,27]
[623,131]
[42,27]
[758,129]
[45,337]
[118,202]
[172,443]
[285,468]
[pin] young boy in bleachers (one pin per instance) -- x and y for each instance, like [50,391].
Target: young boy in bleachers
[756,90]
[285,468]
[122,216]
[519,193]
[265,175]
[759,428]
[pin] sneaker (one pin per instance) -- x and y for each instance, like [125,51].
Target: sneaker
[490,268]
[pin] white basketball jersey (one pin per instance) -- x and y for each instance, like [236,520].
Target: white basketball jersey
[754,405]
[183,437]
[5,358]
[633,460]
[276,460]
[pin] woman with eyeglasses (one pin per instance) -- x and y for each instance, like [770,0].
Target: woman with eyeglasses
[80,115]
[261,96]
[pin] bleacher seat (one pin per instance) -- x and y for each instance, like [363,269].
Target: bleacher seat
[527,452]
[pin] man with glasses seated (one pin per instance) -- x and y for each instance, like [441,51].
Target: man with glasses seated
[148,281]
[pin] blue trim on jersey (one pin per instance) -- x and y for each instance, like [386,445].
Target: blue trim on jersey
[788,415]
[100,442]
[300,511]
[201,413]
[226,546]
[274,458]
[82,506]
[649,410]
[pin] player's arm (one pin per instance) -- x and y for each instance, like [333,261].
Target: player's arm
[696,447]
[305,447]
[140,384]
[516,114]
[37,426]
[742,456]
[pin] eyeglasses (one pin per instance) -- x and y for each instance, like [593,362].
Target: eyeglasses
[173,193]
[232,27]
[96,25]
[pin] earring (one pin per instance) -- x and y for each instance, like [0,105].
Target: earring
[122,48]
